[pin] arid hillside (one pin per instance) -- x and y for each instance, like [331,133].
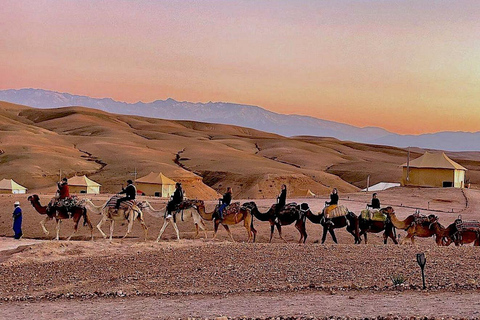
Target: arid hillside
[36,144]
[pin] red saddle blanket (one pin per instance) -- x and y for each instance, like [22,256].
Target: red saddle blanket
[112,202]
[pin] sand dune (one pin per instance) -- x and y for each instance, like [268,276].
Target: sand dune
[38,143]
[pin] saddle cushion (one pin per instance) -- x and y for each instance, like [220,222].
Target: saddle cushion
[335,211]
[112,202]
[373,215]
[233,208]
[467,225]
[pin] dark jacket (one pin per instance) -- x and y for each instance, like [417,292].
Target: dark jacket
[177,196]
[130,191]
[375,203]
[227,198]
[63,190]
[282,198]
[333,199]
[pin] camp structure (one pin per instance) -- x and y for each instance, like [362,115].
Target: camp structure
[433,170]
[155,184]
[382,186]
[81,184]
[10,186]
[302,193]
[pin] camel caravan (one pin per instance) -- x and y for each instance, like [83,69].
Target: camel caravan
[374,219]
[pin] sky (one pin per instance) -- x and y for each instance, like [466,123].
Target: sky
[410,67]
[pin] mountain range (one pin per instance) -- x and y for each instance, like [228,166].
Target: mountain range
[247,116]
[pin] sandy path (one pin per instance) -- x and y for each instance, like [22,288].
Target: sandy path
[10,243]
[459,305]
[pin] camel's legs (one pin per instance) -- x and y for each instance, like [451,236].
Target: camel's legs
[112,224]
[324,236]
[89,223]
[272,230]
[75,228]
[144,226]
[130,226]
[203,227]
[332,233]
[246,224]
[58,229]
[300,225]
[99,226]
[216,223]
[165,224]
[176,230]
[228,230]
[42,223]
[365,236]
[279,228]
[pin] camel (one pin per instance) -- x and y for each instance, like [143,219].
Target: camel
[59,214]
[420,229]
[350,221]
[441,232]
[463,236]
[110,214]
[289,214]
[186,211]
[372,226]
[233,214]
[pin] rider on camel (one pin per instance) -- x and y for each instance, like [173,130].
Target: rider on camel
[227,198]
[63,190]
[130,193]
[177,198]
[375,202]
[333,198]
[281,201]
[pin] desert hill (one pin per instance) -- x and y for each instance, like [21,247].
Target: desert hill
[37,143]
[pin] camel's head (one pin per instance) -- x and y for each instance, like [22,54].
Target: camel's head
[432,218]
[304,208]
[33,198]
[249,205]
[388,211]
[197,203]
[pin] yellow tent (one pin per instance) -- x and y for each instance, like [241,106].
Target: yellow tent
[10,186]
[81,184]
[155,184]
[433,170]
[302,193]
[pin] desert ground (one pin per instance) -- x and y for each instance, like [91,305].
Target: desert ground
[201,278]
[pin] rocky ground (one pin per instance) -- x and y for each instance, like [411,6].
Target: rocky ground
[207,279]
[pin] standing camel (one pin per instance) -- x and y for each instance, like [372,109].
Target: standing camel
[59,214]
[416,226]
[376,226]
[185,210]
[289,214]
[232,215]
[443,235]
[125,213]
[350,221]
[461,234]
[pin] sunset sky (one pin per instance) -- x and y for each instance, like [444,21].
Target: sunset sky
[406,66]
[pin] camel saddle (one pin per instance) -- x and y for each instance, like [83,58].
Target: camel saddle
[373,215]
[335,211]
[467,225]
[124,205]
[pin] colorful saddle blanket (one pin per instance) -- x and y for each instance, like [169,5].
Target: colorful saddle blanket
[373,215]
[467,225]
[112,202]
[67,203]
[335,211]
[233,208]
[420,218]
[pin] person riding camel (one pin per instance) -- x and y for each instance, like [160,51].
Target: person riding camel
[130,193]
[227,198]
[281,201]
[63,190]
[375,202]
[177,198]
[333,198]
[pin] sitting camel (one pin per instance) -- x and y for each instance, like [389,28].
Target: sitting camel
[125,213]
[415,225]
[369,225]
[232,214]
[350,221]
[59,214]
[289,214]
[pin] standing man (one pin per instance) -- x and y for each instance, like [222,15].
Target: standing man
[130,193]
[177,198]
[17,220]
[375,202]
[227,198]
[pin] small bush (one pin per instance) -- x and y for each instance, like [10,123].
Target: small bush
[397,279]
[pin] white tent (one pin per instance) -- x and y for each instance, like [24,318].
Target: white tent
[10,186]
[382,186]
[81,184]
